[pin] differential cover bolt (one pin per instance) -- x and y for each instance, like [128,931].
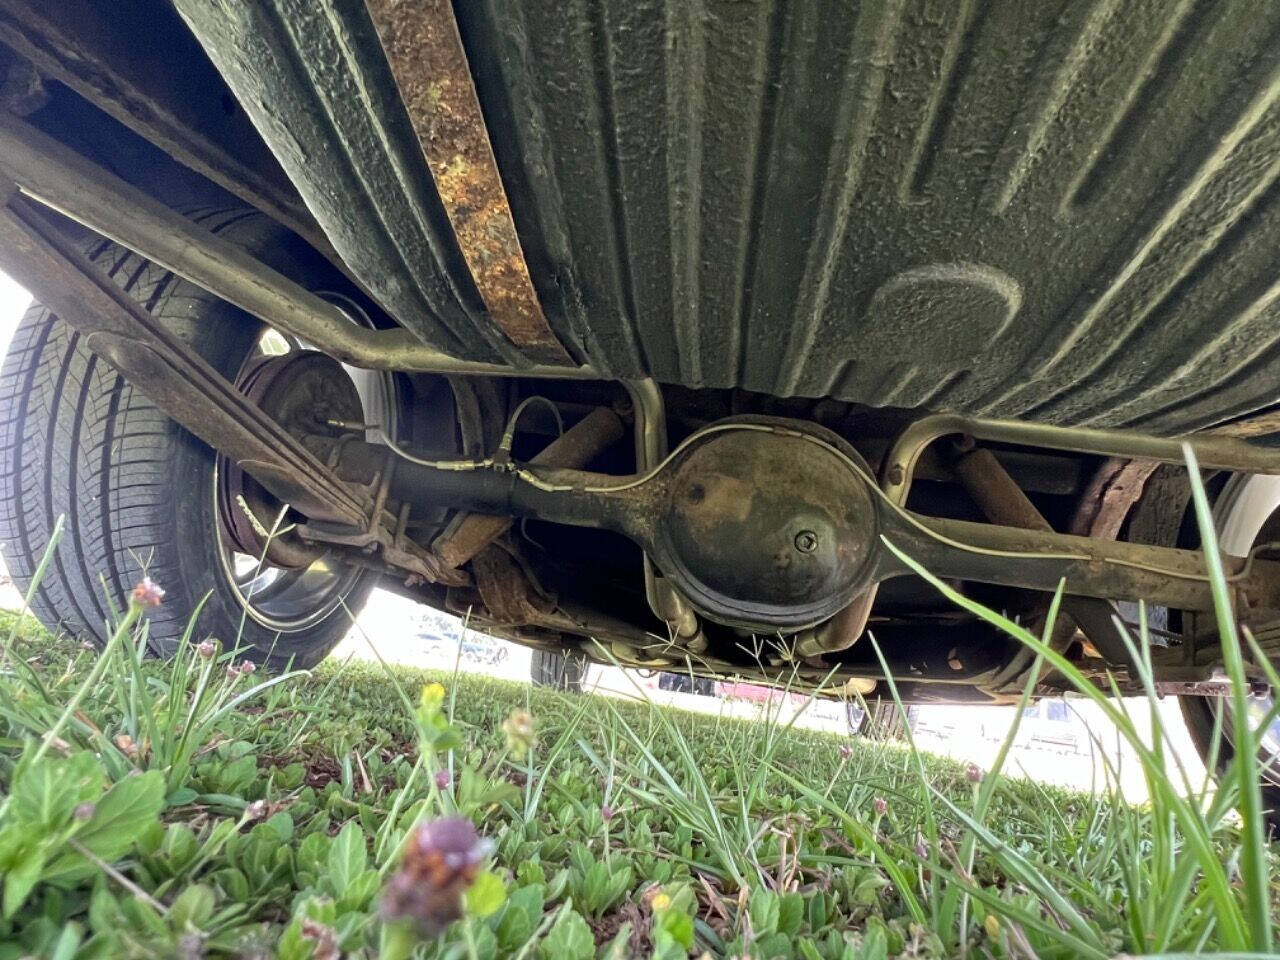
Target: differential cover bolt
[806,541]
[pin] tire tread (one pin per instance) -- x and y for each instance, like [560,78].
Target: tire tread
[78,441]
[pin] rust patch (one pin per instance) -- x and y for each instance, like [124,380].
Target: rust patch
[505,590]
[424,48]
[1112,492]
[1255,425]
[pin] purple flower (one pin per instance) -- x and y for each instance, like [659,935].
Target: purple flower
[880,805]
[846,751]
[454,840]
[440,861]
[148,593]
[443,779]
[85,811]
[608,813]
[921,850]
[973,773]
[247,667]
[206,649]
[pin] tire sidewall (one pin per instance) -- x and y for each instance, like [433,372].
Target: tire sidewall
[225,337]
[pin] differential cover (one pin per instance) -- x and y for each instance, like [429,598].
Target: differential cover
[765,528]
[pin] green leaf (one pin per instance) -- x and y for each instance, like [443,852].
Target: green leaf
[485,895]
[359,891]
[15,841]
[313,852]
[676,927]
[866,891]
[180,797]
[233,778]
[68,942]
[530,872]
[817,911]
[179,845]
[46,792]
[236,749]
[125,811]
[291,945]
[347,856]
[874,945]
[475,792]
[556,888]
[773,946]
[568,939]
[149,841]
[22,877]
[291,776]
[282,825]
[484,942]
[620,882]
[104,909]
[143,917]
[790,913]
[764,911]
[233,883]
[582,860]
[591,891]
[193,908]
[520,917]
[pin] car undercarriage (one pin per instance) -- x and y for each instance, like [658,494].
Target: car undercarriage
[674,337]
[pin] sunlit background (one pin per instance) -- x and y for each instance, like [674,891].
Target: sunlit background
[1060,742]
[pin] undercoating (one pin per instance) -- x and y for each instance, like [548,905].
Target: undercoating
[1062,211]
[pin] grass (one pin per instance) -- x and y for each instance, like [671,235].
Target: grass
[267,825]
[197,809]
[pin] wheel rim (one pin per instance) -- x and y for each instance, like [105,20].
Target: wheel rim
[282,599]
[286,601]
[1247,502]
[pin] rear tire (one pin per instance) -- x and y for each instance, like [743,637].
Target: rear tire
[135,490]
[559,671]
[1243,508]
[881,721]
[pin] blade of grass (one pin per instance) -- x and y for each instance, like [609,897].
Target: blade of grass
[1235,931]
[1253,861]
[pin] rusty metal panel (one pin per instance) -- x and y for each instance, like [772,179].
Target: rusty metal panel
[314,80]
[430,67]
[1065,211]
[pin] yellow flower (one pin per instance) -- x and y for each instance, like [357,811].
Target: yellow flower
[992,926]
[432,696]
[518,729]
